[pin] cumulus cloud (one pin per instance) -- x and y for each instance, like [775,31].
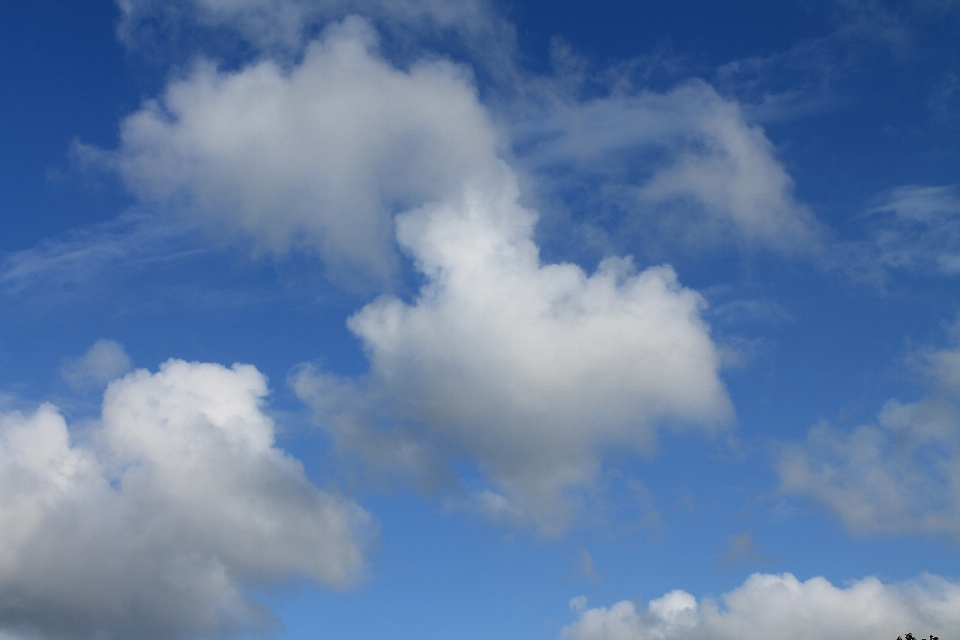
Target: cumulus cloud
[780,607]
[132,240]
[320,155]
[103,362]
[155,523]
[901,474]
[685,162]
[530,370]
[325,152]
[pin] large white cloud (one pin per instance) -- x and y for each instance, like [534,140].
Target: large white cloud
[780,607]
[531,370]
[173,504]
[319,155]
[901,474]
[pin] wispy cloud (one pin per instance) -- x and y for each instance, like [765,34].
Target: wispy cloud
[132,240]
[918,227]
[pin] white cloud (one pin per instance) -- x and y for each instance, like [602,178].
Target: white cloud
[918,227]
[104,361]
[530,370]
[780,607]
[320,155]
[178,501]
[901,474]
[693,166]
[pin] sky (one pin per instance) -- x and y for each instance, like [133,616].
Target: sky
[328,319]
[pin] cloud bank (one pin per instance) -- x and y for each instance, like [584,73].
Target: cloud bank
[176,502]
[780,607]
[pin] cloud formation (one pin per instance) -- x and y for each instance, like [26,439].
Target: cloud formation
[318,156]
[901,474]
[780,607]
[284,25]
[530,370]
[171,506]
[684,163]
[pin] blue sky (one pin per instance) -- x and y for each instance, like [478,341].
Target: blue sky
[329,319]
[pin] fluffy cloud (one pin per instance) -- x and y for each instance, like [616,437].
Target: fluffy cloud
[325,152]
[685,162]
[154,527]
[901,474]
[780,607]
[531,370]
[320,155]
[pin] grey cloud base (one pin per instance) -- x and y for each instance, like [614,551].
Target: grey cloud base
[176,502]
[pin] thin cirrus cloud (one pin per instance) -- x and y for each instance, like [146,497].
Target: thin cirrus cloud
[899,475]
[779,607]
[173,504]
[132,240]
[918,227]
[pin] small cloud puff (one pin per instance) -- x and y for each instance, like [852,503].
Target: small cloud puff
[779,607]
[154,530]
[104,361]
